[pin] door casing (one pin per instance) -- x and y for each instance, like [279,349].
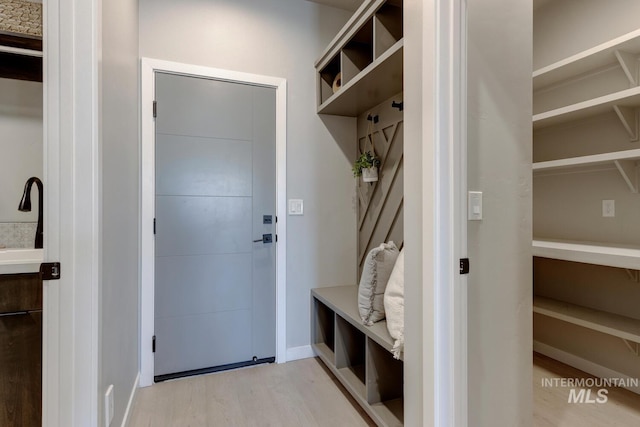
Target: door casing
[149,67]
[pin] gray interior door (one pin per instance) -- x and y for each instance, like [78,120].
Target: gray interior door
[215,196]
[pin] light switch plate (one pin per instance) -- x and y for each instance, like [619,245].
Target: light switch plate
[296,207]
[474,203]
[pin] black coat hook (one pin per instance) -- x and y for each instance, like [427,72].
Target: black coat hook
[398,105]
[373,119]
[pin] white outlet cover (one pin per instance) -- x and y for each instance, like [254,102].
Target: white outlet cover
[608,208]
[296,207]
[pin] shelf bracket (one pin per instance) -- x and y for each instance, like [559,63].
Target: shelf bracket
[629,118]
[627,169]
[629,64]
[634,275]
[633,347]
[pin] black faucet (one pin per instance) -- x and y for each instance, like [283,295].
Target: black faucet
[25,206]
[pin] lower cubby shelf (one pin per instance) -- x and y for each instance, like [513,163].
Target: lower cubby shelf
[359,356]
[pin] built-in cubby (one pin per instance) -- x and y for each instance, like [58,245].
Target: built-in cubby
[324,330]
[361,357]
[363,64]
[585,196]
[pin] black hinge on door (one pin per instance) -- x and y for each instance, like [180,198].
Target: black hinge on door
[155,109]
[276,238]
[50,270]
[154,226]
[153,344]
[464,265]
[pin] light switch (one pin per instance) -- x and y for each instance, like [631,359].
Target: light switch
[296,207]
[609,208]
[474,206]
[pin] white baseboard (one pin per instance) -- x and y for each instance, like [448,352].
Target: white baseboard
[580,363]
[302,352]
[127,412]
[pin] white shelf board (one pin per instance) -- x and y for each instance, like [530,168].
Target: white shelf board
[620,256]
[592,160]
[586,61]
[601,321]
[380,80]
[603,104]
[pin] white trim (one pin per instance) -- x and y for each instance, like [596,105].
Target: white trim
[580,363]
[71,212]
[302,352]
[132,396]
[148,68]
[450,216]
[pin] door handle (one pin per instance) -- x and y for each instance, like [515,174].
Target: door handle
[266,238]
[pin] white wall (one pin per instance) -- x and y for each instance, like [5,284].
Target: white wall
[558,22]
[499,164]
[21,136]
[280,38]
[120,191]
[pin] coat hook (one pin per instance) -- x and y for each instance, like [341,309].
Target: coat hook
[373,119]
[398,105]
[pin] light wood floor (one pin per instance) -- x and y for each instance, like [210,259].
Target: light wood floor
[304,393]
[300,393]
[551,407]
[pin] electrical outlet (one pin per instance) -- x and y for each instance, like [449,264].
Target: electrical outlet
[609,208]
[108,405]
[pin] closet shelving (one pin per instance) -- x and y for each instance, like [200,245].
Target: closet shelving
[20,57]
[367,53]
[620,256]
[584,70]
[622,327]
[359,356]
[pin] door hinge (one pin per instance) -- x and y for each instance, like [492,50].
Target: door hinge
[464,265]
[155,109]
[153,344]
[276,238]
[154,226]
[50,270]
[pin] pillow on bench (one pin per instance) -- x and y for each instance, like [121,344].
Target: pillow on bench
[394,305]
[375,274]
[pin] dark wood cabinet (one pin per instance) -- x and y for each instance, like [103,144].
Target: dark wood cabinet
[20,350]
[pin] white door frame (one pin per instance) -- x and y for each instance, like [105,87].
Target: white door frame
[450,208]
[71,213]
[147,208]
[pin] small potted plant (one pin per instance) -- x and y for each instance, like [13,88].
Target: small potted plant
[366,166]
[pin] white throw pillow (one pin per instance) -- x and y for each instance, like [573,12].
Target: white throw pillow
[394,305]
[375,274]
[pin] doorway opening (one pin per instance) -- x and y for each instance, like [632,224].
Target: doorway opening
[150,70]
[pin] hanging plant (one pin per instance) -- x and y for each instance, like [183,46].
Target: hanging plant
[366,166]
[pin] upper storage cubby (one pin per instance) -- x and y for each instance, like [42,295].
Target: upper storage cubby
[363,64]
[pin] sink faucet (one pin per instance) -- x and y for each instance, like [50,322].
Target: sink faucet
[25,206]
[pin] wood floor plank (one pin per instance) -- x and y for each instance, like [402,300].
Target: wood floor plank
[552,408]
[299,393]
[304,393]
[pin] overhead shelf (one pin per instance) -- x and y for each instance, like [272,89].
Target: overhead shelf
[380,80]
[620,256]
[625,100]
[589,60]
[623,327]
